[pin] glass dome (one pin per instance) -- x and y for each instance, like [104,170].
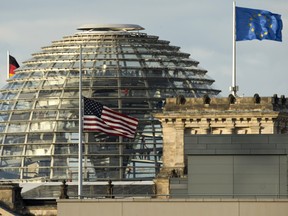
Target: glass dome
[124,69]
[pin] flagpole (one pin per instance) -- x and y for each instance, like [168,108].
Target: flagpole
[234,88]
[80,152]
[8,64]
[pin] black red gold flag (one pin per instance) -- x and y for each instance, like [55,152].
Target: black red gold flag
[13,64]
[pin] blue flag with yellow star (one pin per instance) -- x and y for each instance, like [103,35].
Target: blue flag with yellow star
[257,24]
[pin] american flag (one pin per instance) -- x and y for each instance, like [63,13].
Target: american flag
[98,117]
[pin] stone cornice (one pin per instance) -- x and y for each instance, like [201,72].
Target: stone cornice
[244,107]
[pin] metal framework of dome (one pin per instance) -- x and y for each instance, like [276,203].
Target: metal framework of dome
[124,69]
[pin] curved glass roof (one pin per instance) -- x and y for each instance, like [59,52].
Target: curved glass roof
[124,69]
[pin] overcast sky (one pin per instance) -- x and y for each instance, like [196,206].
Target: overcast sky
[201,28]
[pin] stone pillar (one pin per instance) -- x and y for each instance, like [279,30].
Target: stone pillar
[10,195]
[173,154]
[173,146]
[162,187]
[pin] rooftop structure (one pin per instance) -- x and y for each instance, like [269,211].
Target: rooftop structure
[110,27]
[124,69]
[194,130]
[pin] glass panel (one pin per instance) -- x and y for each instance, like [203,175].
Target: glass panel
[74,73]
[7,161]
[3,117]
[9,172]
[46,65]
[88,64]
[69,103]
[65,149]
[2,127]
[61,149]
[62,73]
[72,137]
[68,114]
[39,168]
[20,75]
[17,127]
[20,116]
[23,105]
[15,85]
[133,64]
[38,150]
[68,125]
[40,138]
[49,93]
[8,95]
[42,126]
[47,137]
[47,103]
[99,63]
[72,82]
[31,84]
[131,73]
[138,93]
[62,173]
[105,173]
[46,114]
[104,82]
[58,82]
[12,150]
[27,94]
[71,94]
[37,74]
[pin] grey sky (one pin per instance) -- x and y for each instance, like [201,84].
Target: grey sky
[201,28]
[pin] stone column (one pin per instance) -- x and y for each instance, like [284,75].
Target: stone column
[173,154]
[10,195]
[173,146]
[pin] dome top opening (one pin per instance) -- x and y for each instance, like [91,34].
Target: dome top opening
[110,27]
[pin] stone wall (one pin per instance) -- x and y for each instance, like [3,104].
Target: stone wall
[10,196]
[172,207]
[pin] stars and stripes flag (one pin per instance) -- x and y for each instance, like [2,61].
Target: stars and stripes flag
[98,117]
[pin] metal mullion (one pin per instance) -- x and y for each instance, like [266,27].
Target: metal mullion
[52,156]
[119,99]
[56,126]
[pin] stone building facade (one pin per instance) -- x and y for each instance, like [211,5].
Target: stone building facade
[241,115]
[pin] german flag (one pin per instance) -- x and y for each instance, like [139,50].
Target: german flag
[13,64]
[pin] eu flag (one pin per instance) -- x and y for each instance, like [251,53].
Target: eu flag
[257,24]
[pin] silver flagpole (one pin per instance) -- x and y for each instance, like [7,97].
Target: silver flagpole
[80,152]
[8,64]
[234,87]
